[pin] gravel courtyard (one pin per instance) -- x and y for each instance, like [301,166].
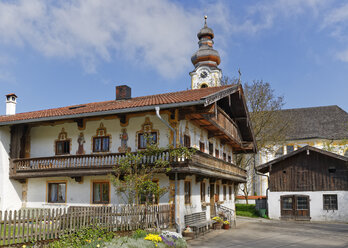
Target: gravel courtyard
[270,234]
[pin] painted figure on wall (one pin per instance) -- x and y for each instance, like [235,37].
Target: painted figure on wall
[80,141]
[124,139]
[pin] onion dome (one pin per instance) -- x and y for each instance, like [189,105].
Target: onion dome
[206,54]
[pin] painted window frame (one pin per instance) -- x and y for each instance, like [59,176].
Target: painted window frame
[92,192]
[64,146]
[230,192]
[201,146]
[217,153]
[187,141]
[217,192]
[148,142]
[203,191]
[102,143]
[187,191]
[48,191]
[211,148]
[224,192]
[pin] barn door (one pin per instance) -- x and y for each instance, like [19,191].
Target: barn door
[294,207]
[302,207]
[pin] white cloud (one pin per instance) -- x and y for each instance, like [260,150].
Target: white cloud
[156,33]
[265,14]
[336,21]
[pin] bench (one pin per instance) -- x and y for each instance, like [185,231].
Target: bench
[198,222]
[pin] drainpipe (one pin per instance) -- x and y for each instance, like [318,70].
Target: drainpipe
[260,174]
[178,227]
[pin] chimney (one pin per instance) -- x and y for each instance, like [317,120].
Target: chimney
[11,101]
[123,92]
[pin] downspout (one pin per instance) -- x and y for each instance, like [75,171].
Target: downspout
[263,175]
[178,227]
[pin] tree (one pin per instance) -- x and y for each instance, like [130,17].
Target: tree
[134,173]
[268,126]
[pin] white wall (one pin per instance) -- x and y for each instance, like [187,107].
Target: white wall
[78,194]
[317,213]
[10,190]
[42,138]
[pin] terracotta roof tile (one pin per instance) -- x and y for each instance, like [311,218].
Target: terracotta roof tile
[166,98]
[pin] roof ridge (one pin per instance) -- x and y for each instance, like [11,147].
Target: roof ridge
[314,107]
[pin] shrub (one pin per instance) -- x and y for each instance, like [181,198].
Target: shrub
[91,236]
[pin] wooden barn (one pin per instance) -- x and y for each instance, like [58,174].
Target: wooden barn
[308,184]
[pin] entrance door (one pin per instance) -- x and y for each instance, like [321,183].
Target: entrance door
[295,207]
[212,201]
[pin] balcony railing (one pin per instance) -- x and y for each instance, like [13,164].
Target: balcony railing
[93,164]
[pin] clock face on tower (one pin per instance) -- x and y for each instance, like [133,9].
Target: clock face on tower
[204,78]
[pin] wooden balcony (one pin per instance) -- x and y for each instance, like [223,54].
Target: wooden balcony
[221,126]
[76,166]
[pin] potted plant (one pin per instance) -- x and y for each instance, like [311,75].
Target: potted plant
[226,224]
[218,222]
[188,232]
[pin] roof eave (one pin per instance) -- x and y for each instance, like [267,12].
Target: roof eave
[102,113]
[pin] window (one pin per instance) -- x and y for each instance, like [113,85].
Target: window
[201,147]
[101,192]
[224,156]
[229,159]
[187,192]
[217,192]
[289,148]
[302,203]
[202,191]
[101,144]
[330,202]
[224,190]
[217,153]
[56,192]
[62,147]
[187,141]
[230,191]
[211,148]
[145,139]
[287,203]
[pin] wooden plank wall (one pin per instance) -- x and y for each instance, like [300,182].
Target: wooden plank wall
[29,225]
[311,172]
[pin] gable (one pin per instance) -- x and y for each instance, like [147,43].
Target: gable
[309,170]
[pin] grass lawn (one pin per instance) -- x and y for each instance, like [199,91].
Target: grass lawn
[247,210]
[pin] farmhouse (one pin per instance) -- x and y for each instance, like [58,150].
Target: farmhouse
[308,184]
[63,156]
[324,127]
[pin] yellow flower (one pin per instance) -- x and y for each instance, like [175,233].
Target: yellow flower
[98,245]
[24,246]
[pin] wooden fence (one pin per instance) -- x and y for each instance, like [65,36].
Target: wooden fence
[29,225]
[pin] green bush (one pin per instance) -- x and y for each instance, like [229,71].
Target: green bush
[91,236]
[139,234]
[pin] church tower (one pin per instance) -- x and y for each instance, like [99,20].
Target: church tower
[205,60]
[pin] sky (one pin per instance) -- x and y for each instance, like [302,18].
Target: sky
[60,53]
